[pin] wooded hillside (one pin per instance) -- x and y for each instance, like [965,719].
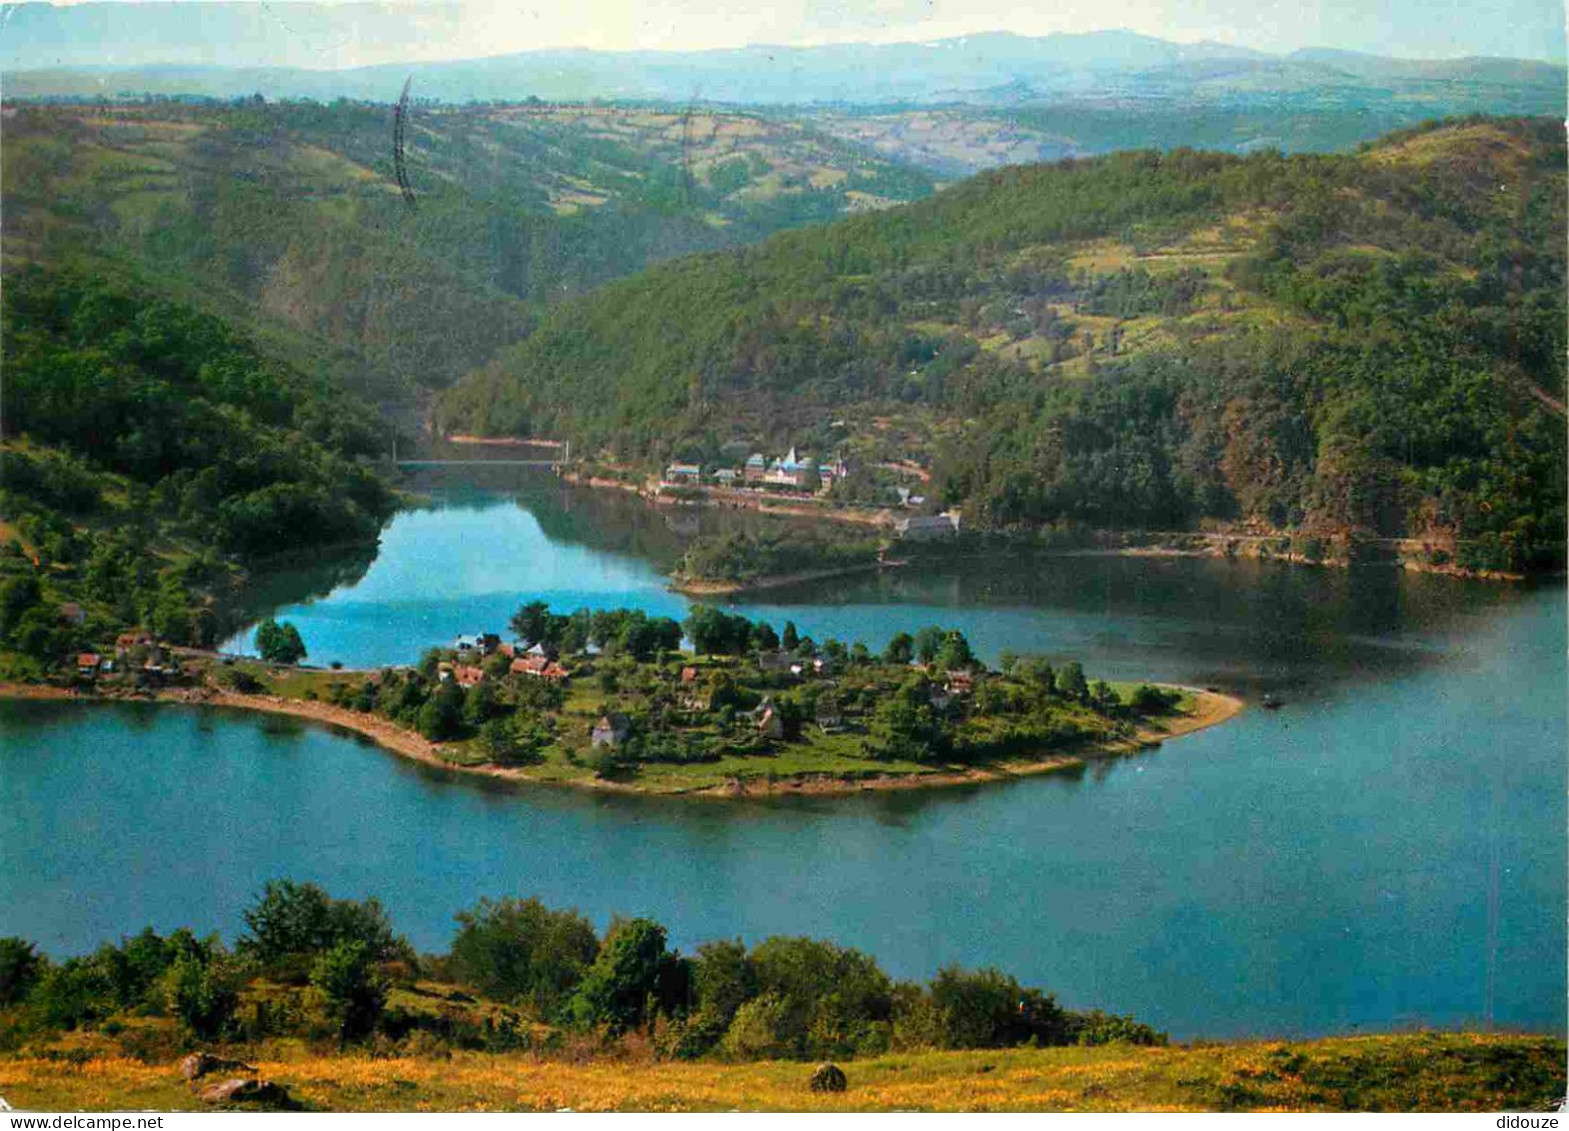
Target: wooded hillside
[1369,343]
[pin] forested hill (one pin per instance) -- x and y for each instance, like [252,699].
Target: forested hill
[287,219]
[150,453]
[1370,343]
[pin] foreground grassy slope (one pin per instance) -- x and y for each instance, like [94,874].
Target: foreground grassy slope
[1367,344]
[1416,1072]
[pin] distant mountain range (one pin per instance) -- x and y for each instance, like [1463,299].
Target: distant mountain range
[290,51]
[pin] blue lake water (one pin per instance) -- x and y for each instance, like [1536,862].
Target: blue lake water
[1386,851]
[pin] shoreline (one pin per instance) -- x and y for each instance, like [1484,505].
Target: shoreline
[1212,708]
[721,498]
[701,588]
[1215,545]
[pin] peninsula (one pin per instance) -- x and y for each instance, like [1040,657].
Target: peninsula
[608,700]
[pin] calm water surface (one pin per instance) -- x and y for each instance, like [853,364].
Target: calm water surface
[1388,850]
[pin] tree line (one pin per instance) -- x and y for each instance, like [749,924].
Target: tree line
[344,975]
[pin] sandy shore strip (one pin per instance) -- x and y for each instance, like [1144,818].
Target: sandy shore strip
[776,581]
[1210,709]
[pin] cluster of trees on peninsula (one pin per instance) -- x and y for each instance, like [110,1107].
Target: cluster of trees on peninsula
[152,453]
[746,689]
[335,971]
[1376,349]
[742,556]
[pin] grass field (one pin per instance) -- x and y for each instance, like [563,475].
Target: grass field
[1415,1072]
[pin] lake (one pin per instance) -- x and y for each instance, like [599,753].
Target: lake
[1386,851]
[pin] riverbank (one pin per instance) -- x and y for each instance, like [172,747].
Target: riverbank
[1208,709]
[784,506]
[1413,555]
[699,587]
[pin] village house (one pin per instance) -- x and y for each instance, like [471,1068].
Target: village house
[87,664]
[540,667]
[156,667]
[466,646]
[756,467]
[959,683]
[792,471]
[683,474]
[470,676]
[127,641]
[611,730]
[726,476]
[72,613]
[444,671]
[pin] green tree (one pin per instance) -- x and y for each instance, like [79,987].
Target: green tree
[441,716]
[928,642]
[203,993]
[352,987]
[835,1001]
[955,653]
[480,705]
[791,639]
[1036,672]
[521,951]
[629,977]
[279,643]
[989,1009]
[531,622]
[723,979]
[900,649]
[1071,683]
[20,968]
[290,919]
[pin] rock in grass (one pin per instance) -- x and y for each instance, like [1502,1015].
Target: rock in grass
[199,1064]
[828,1078]
[243,1091]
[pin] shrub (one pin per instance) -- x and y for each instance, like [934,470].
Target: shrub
[203,995]
[20,968]
[759,1031]
[292,919]
[631,978]
[1097,1028]
[989,1009]
[837,1001]
[520,950]
[354,990]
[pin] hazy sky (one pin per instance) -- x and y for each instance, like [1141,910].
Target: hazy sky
[1409,28]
